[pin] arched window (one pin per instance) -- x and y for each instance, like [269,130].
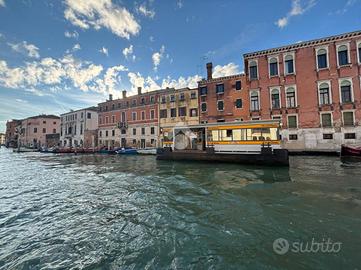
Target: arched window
[342,53]
[273,66]
[291,97]
[275,99]
[346,95]
[324,94]
[253,72]
[254,101]
[359,52]
[322,58]
[289,66]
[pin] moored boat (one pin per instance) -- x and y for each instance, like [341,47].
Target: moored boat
[350,152]
[252,142]
[126,151]
[25,150]
[147,151]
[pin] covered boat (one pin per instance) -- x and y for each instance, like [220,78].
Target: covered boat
[127,151]
[252,142]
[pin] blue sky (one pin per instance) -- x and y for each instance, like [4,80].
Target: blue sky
[61,55]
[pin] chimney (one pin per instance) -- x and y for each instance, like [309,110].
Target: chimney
[124,92]
[110,97]
[209,70]
[139,90]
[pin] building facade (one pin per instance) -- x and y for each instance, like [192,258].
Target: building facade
[223,99]
[177,107]
[33,130]
[130,121]
[79,128]
[11,133]
[2,138]
[312,87]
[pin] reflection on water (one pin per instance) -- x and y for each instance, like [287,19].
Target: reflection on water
[133,212]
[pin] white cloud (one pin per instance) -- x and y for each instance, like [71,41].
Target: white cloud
[149,84]
[26,49]
[112,78]
[298,8]
[73,34]
[99,14]
[142,9]
[104,51]
[346,7]
[128,51]
[179,4]
[226,70]
[157,57]
[2,3]
[151,39]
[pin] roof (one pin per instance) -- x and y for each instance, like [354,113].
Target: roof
[93,108]
[203,81]
[51,116]
[303,44]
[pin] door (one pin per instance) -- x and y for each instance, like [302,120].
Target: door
[142,143]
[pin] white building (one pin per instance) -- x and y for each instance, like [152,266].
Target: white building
[79,128]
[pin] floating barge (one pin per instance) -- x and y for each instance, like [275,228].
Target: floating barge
[253,142]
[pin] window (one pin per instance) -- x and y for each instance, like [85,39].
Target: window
[54,123]
[324,93]
[113,132]
[123,117]
[134,116]
[291,97]
[106,119]
[142,101]
[163,113]
[326,120]
[152,99]
[238,85]
[253,72]
[276,117]
[152,130]
[359,52]
[348,118]
[172,98]
[273,66]
[143,131]
[182,111]
[152,141]
[203,107]
[293,137]
[350,136]
[220,105]
[181,97]
[143,115]
[35,130]
[44,130]
[238,103]
[275,99]
[100,133]
[328,136]
[113,106]
[342,55]
[346,94]
[220,88]
[164,99]
[54,130]
[113,118]
[289,64]
[203,90]
[322,60]
[193,112]
[134,102]
[44,122]
[134,141]
[152,114]
[119,105]
[81,128]
[292,121]
[193,95]
[106,133]
[254,101]
[173,112]
[134,131]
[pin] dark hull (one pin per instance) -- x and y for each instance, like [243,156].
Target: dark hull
[349,151]
[276,158]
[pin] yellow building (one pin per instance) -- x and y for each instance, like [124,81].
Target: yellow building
[177,108]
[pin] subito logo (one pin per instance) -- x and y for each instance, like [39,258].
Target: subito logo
[281,246]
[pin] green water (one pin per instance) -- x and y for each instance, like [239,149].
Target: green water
[133,212]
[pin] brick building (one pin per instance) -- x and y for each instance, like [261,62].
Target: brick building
[313,87]
[129,121]
[177,107]
[223,99]
[11,134]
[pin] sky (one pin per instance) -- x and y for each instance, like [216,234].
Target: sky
[58,55]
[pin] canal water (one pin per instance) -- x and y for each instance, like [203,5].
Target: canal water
[133,212]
